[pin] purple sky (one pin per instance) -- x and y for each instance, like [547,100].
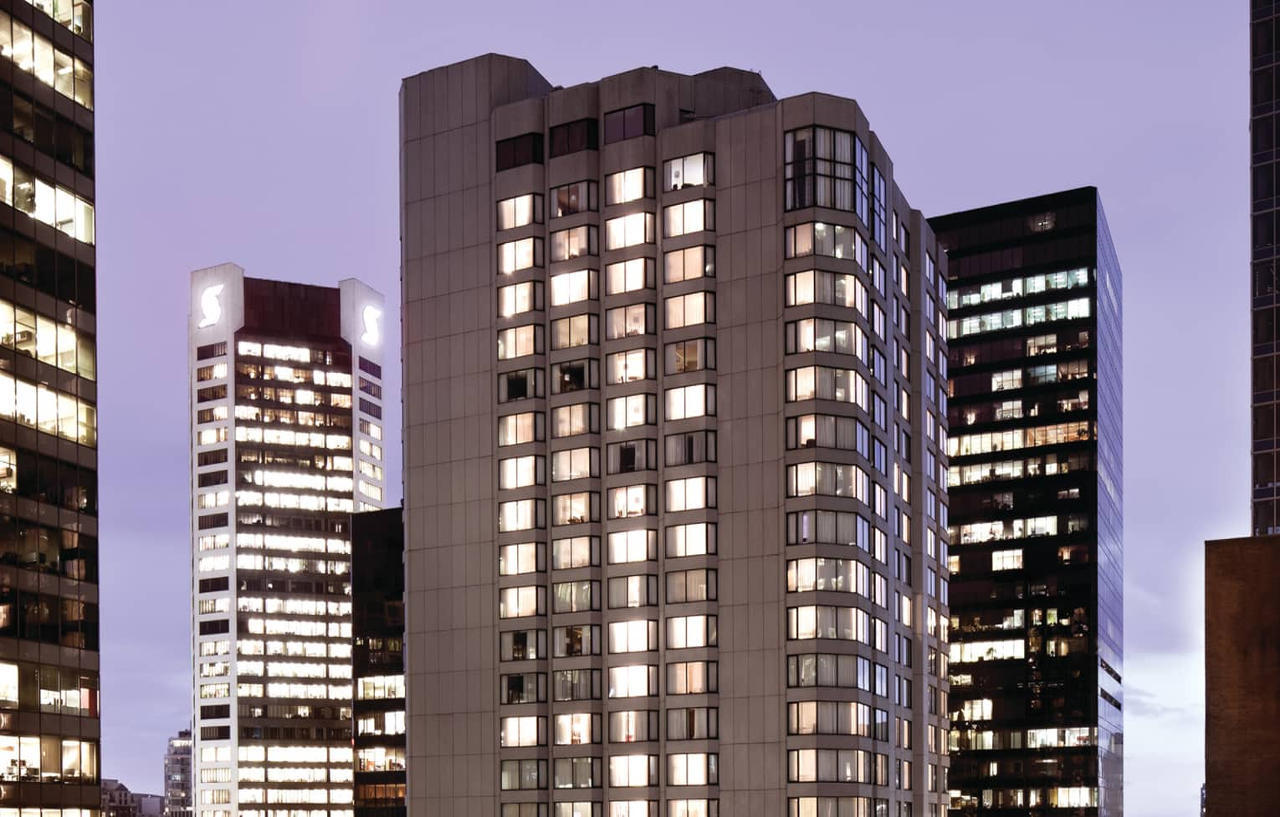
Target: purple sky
[266,134]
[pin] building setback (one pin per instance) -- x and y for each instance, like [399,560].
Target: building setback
[49,662]
[675,530]
[377,638]
[177,775]
[286,442]
[1035,482]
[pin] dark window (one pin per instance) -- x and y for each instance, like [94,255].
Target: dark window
[519,385]
[213,520]
[215,711]
[631,456]
[628,123]
[211,393]
[574,375]
[213,627]
[370,367]
[372,409]
[58,275]
[214,585]
[579,197]
[211,350]
[879,207]
[370,388]
[572,137]
[49,133]
[215,732]
[212,478]
[525,149]
[212,457]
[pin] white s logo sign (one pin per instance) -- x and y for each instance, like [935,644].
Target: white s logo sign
[210,308]
[372,332]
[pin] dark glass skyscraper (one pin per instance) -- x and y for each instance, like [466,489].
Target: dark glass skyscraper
[377,659]
[1035,484]
[1264,116]
[49,726]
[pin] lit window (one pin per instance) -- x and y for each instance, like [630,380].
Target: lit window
[695,539]
[521,472]
[574,463]
[517,255]
[630,366]
[688,264]
[629,276]
[691,493]
[631,501]
[688,217]
[691,309]
[574,242]
[631,411]
[684,402]
[633,546]
[628,185]
[519,211]
[519,341]
[628,231]
[516,299]
[695,170]
[572,287]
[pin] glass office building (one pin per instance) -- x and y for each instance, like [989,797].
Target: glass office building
[1036,501]
[177,775]
[674,521]
[286,443]
[377,624]
[49,662]
[1264,129]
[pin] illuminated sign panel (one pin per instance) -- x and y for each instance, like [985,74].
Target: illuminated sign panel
[372,317]
[210,307]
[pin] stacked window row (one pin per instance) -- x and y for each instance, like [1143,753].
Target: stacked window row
[626,368]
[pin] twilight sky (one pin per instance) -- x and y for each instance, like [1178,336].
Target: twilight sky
[266,134]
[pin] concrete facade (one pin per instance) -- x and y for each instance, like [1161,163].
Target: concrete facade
[762,563]
[1242,677]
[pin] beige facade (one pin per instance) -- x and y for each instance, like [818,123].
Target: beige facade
[675,530]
